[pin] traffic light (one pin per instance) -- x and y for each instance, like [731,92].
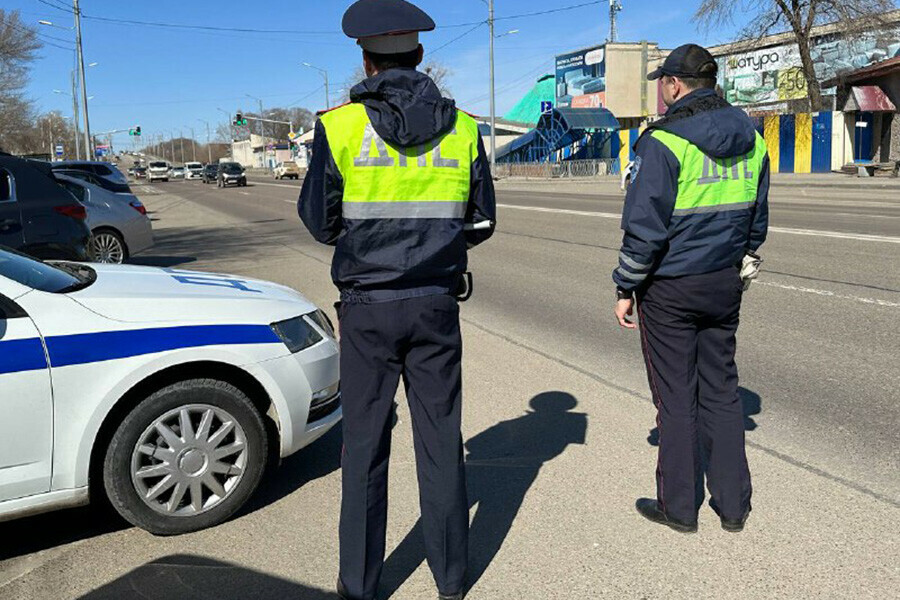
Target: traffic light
[137,130]
[239,120]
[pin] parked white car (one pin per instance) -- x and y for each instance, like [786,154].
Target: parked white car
[119,223]
[193,170]
[158,170]
[162,389]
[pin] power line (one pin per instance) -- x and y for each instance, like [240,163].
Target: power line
[56,6]
[550,11]
[42,36]
[456,39]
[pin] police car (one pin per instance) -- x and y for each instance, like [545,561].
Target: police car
[166,391]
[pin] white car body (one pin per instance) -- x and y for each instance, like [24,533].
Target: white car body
[158,170]
[68,360]
[193,170]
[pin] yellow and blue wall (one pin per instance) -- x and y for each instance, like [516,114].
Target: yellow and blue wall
[797,143]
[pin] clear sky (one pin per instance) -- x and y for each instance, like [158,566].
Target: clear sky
[166,79]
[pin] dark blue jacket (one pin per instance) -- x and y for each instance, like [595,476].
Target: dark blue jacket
[659,244]
[385,259]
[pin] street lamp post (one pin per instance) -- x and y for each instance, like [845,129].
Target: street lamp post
[84,100]
[208,147]
[324,74]
[262,129]
[193,145]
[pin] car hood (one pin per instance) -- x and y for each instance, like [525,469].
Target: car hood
[140,294]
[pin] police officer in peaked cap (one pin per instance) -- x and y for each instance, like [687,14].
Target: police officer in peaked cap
[400,184]
[695,214]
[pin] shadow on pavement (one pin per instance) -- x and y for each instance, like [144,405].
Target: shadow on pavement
[317,460]
[502,464]
[752,406]
[187,577]
[41,532]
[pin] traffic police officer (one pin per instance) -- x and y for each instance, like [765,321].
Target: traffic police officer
[696,206]
[399,183]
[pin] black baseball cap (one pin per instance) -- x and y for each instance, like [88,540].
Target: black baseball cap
[689,60]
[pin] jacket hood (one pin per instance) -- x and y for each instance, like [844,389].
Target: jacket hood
[405,107]
[712,124]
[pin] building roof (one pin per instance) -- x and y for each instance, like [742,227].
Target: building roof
[528,109]
[868,98]
[879,69]
[589,118]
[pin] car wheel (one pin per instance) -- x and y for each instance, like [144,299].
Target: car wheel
[107,247]
[186,458]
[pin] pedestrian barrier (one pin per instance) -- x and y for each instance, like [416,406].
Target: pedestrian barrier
[569,169]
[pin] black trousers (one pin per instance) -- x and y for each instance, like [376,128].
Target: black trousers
[688,327]
[419,340]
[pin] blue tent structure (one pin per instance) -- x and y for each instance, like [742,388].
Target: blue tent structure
[561,128]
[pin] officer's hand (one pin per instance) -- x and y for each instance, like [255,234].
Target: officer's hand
[625,308]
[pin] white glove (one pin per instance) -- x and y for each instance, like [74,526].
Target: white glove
[750,269]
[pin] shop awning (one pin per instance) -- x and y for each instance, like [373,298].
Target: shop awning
[868,98]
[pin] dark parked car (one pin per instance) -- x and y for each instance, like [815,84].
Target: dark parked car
[210,173]
[231,173]
[38,216]
[140,172]
[112,177]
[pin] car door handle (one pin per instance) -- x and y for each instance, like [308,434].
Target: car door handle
[8,224]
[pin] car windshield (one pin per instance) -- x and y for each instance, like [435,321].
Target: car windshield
[231,167]
[158,165]
[54,278]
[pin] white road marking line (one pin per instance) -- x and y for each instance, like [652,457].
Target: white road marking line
[282,185]
[244,193]
[862,237]
[290,201]
[828,293]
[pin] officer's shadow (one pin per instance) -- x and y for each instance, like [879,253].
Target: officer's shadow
[752,405]
[501,465]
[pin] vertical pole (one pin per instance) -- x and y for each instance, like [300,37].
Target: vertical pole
[172,144]
[75,116]
[327,96]
[182,146]
[262,129]
[84,101]
[193,146]
[493,113]
[208,147]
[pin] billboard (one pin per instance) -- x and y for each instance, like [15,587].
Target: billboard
[581,78]
[774,74]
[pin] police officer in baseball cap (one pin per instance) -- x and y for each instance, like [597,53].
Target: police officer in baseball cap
[695,213]
[400,184]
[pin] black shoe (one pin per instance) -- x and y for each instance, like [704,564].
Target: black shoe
[730,525]
[458,596]
[650,509]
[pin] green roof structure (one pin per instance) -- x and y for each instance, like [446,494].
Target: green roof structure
[528,109]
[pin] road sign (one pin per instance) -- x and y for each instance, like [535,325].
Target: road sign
[60,150]
[546,106]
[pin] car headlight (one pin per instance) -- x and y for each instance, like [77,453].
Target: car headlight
[296,334]
[322,320]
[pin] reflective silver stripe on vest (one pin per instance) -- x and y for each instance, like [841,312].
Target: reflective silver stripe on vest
[631,276]
[404,210]
[632,264]
[712,209]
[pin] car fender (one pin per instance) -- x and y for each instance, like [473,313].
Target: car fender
[71,469]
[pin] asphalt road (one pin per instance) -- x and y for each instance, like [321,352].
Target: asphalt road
[558,419]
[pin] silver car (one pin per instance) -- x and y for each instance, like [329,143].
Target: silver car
[119,223]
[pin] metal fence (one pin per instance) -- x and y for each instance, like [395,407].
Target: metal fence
[569,169]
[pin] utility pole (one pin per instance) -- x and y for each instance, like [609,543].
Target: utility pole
[614,7]
[324,74]
[172,144]
[493,113]
[75,117]
[208,147]
[193,146]
[84,107]
[182,146]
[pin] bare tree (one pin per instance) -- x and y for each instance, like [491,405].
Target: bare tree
[765,17]
[18,47]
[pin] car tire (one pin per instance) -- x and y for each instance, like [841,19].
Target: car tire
[107,247]
[139,445]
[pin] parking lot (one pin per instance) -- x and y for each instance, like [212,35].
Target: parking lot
[559,426]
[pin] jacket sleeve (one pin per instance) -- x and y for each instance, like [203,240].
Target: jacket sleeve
[320,200]
[482,204]
[760,226]
[648,208]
